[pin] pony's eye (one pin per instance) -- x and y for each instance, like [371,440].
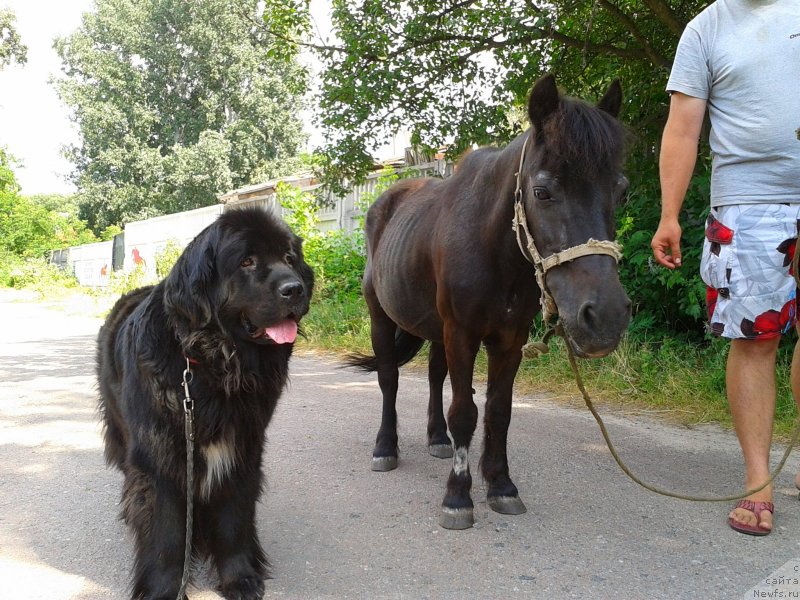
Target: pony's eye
[248,262]
[541,193]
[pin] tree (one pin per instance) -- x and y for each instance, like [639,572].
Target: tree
[30,226]
[176,102]
[11,47]
[456,71]
[449,72]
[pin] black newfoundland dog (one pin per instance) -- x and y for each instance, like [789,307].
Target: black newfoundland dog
[229,310]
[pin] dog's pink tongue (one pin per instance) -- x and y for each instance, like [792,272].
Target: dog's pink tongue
[284,332]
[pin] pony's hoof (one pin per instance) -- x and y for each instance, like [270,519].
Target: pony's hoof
[506,505]
[441,450]
[456,518]
[384,463]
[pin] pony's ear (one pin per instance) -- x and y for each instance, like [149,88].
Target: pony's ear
[611,102]
[191,284]
[543,101]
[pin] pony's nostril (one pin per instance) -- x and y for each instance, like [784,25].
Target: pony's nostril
[290,290]
[588,315]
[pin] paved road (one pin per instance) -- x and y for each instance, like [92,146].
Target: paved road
[334,529]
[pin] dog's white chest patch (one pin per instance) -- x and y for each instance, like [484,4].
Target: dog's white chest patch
[220,459]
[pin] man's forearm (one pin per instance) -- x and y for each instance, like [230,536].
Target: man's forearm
[679,152]
[676,165]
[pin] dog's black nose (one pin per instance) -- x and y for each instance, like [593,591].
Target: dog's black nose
[291,290]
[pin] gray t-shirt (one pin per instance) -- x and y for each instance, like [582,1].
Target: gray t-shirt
[743,57]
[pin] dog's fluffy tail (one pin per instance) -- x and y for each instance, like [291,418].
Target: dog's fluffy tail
[406,347]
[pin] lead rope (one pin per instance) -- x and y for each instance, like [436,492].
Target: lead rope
[549,309]
[188,413]
[573,363]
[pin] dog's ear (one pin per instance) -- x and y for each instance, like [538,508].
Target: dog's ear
[190,287]
[302,268]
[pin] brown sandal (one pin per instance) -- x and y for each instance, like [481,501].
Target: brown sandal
[756,508]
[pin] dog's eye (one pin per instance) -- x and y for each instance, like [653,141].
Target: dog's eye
[247,262]
[289,258]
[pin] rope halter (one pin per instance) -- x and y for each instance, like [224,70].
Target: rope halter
[542,265]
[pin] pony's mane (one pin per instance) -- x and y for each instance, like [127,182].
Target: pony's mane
[583,138]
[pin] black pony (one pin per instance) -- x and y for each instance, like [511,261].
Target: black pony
[445,265]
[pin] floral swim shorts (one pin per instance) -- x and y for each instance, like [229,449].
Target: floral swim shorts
[746,266]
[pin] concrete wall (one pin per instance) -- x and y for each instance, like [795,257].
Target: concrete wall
[144,239]
[90,263]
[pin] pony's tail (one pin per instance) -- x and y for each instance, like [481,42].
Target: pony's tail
[406,347]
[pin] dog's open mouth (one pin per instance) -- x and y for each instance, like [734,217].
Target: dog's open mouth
[282,332]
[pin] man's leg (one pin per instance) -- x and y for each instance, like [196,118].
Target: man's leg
[796,386]
[750,380]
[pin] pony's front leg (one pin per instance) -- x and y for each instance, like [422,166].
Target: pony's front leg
[438,443]
[462,418]
[501,494]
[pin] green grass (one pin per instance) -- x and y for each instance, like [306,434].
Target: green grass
[678,382]
[336,326]
[667,378]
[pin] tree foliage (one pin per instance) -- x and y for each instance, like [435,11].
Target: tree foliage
[457,72]
[31,226]
[11,47]
[176,102]
[449,72]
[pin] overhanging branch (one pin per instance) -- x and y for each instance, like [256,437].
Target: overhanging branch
[666,15]
[630,25]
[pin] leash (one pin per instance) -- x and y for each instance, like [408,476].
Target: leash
[188,414]
[559,330]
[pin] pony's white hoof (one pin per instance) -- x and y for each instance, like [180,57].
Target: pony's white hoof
[384,463]
[456,518]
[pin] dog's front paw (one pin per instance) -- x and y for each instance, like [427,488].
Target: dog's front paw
[246,588]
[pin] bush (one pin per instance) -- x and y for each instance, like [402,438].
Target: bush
[665,302]
[32,273]
[337,257]
[167,257]
[338,260]
[122,282]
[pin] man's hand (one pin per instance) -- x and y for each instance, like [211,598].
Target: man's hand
[666,244]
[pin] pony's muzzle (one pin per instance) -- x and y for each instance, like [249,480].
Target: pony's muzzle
[592,305]
[598,326]
[590,315]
